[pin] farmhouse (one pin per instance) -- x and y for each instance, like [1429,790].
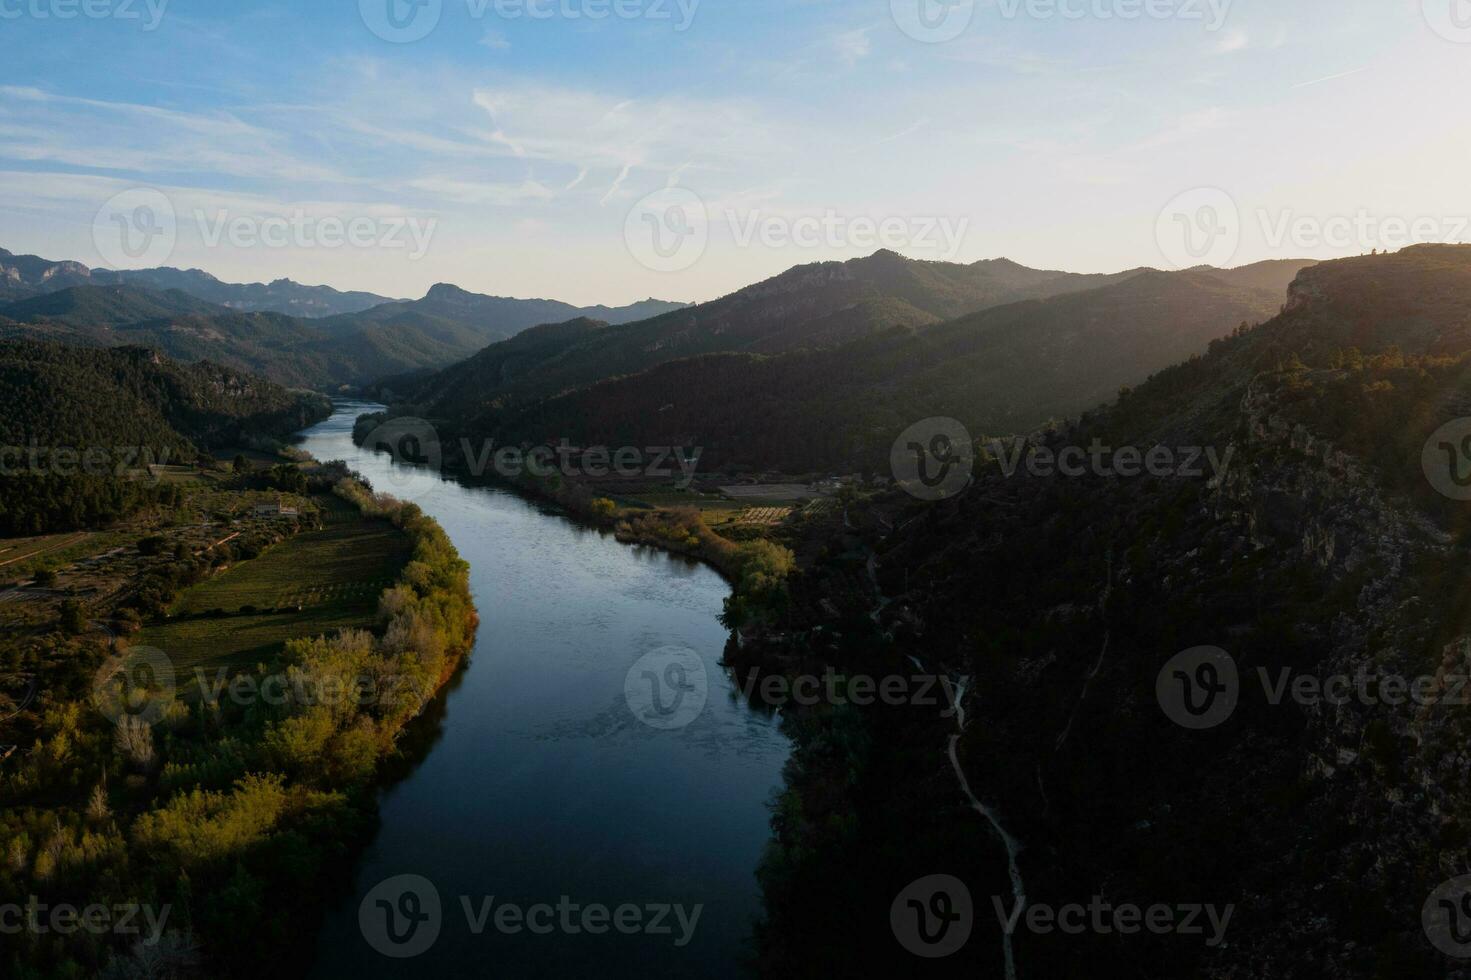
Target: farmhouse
[278,509]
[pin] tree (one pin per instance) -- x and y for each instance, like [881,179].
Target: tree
[72,620]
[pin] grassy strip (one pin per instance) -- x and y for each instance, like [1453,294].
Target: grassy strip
[316,582]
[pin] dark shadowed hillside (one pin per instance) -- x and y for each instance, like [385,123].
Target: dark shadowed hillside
[1317,549]
[1002,370]
[886,309]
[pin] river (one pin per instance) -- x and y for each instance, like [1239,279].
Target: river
[537,784]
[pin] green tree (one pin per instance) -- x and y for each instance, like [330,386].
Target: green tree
[72,620]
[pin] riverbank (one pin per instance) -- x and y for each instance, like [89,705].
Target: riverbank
[197,797]
[756,569]
[539,762]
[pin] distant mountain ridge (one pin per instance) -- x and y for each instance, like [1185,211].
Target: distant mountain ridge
[501,317]
[307,336]
[24,276]
[285,349]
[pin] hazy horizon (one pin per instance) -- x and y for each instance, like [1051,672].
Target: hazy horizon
[523,147]
[677,299]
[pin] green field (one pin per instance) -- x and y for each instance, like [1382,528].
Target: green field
[334,575]
[715,510]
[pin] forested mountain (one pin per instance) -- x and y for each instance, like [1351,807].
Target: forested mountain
[826,305]
[278,296]
[1005,369]
[1320,550]
[487,319]
[284,349]
[80,423]
[57,395]
[328,340]
[322,354]
[22,276]
[490,317]
[29,275]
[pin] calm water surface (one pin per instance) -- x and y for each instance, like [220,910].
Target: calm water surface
[537,781]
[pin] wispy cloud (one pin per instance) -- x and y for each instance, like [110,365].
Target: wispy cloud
[1331,78]
[38,125]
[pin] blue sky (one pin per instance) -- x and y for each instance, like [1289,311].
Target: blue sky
[521,146]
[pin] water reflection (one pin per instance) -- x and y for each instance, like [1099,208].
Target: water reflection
[531,779]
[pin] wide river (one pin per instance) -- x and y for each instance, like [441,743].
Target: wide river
[535,783]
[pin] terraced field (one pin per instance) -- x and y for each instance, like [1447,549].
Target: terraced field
[317,582]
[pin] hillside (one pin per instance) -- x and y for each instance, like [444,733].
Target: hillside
[321,354]
[812,306]
[116,410]
[28,275]
[58,395]
[1320,551]
[282,348]
[1002,370]
[312,336]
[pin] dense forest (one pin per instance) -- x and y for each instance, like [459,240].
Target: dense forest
[82,426]
[838,409]
[1322,552]
[820,306]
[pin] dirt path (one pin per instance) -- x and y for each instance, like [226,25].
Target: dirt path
[45,551]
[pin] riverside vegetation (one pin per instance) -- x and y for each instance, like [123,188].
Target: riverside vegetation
[239,815]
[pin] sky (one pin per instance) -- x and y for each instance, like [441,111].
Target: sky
[604,151]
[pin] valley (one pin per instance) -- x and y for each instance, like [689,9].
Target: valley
[832,569]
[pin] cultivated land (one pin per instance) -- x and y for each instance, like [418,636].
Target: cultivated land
[316,582]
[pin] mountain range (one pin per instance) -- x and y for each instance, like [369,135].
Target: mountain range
[308,336]
[812,370]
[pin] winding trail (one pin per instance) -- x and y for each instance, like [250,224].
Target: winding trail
[1013,846]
